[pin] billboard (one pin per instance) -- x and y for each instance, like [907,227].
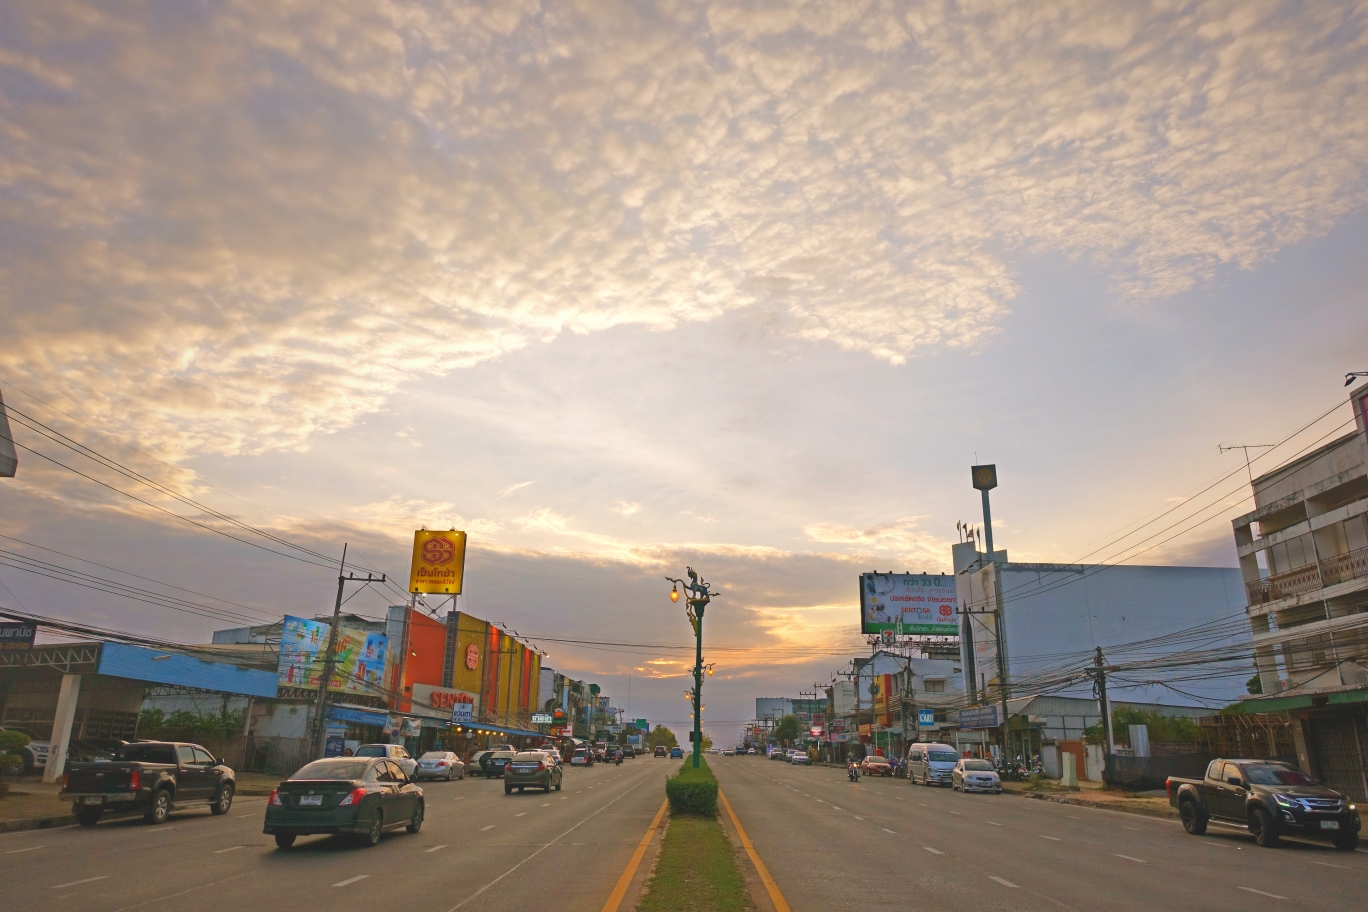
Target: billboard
[438,562]
[358,658]
[910,603]
[541,718]
[441,702]
[979,717]
[17,636]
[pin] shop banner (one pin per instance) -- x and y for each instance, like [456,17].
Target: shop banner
[358,659]
[17,636]
[908,603]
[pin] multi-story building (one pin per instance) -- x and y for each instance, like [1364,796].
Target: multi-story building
[1304,557]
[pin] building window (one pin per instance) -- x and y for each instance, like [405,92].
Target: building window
[935,686]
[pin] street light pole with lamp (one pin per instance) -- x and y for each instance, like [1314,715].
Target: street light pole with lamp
[696,601]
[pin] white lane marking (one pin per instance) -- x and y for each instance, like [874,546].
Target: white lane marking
[490,827]
[1326,864]
[523,814]
[229,849]
[435,848]
[887,830]
[1057,839]
[29,849]
[1005,883]
[547,805]
[161,829]
[1262,893]
[351,880]
[992,822]
[957,813]
[859,818]
[933,851]
[900,799]
[923,804]
[835,808]
[240,816]
[1073,818]
[462,798]
[1132,858]
[1132,829]
[74,883]
[1217,845]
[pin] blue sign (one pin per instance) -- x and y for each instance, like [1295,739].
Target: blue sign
[359,716]
[926,717]
[979,717]
[335,745]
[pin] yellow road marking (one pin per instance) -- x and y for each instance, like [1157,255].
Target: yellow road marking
[625,881]
[771,887]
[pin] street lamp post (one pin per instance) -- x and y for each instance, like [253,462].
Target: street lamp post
[696,600]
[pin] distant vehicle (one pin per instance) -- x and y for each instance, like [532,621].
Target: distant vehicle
[1271,799]
[931,764]
[582,756]
[492,763]
[475,766]
[151,778]
[339,795]
[800,759]
[628,752]
[552,753]
[728,752]
[659,750]
[35,753]
[876,766]
[440,765]
[532,769]
[777,754]
[788,754]
[975,776]
[752,751]
[395,752]
[676,753]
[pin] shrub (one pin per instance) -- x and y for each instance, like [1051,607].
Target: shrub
[693,791]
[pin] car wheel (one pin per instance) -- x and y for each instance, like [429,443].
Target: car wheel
[508,789]
[1194,821]
[160,809]
[558,785]
[448,775]
[1346,842]
[1264,829]
[284,840]
[520,790]
[87,816]
[372,836]
[416,823]
[224,802]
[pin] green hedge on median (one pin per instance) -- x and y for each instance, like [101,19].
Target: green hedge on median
[693,791]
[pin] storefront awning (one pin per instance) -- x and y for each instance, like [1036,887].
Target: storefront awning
[500,730]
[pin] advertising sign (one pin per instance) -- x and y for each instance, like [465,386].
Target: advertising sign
[336,743]
[358,659]
[979,717]
[541,718]
[438,562]
[908,603]
[614,729]
[438,702]
[567,732]
[643,725]
[926,717]
[838,726]
[463,711]
[16,636]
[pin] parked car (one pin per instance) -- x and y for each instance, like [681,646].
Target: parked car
[676,753]
[474,767]
[35,753]
[492,764]
[339,795]
[395,752]
[975,776]
[440,765]
[1272,799]
[659,750]
[800,759]
[532,769]
[931,764]
[875,766]
[777,754]
[582,756]
[151,778]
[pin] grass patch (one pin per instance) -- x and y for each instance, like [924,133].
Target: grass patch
[692,791]
[696,871]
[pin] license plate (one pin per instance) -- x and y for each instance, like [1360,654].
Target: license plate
[92,799]
[1329,824]
[310,800]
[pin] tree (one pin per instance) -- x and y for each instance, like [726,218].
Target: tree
[1254,685]
[1161,727]
[785,730]
[707,742]
[661,736]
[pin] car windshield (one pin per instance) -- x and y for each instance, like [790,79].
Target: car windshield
[434,755]
[333,769]
[978,765]
[1276,774]
[146,753]
[371,750]
[943,757]
[530,755]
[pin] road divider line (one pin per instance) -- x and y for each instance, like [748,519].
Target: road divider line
[197,887]
[887,830]
[1005,883]
[29,849]
[992,823]
[1326,864]
[435,848]
[1262,893]
[933,851]
[76,883]
[625,881]
[490,827]
[1057,839]
[229,849]
[772,888]
[1133,858]
[351,880]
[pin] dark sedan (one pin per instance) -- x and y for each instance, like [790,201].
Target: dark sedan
[341,795]
[532,769]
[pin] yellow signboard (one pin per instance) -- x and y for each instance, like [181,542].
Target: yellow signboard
[438,562]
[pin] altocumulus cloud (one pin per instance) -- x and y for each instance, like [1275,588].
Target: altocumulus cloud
[234,225]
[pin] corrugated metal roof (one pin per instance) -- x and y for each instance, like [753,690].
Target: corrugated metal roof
[141,664]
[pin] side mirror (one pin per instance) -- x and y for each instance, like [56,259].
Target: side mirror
[1234,780]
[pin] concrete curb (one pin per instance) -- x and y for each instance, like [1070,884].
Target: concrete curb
[1166,813]
[36,823]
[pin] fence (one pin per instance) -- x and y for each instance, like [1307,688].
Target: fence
[277,756]
[1145,773]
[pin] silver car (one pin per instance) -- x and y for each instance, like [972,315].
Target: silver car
[975,776]
[440,765]
[801,759]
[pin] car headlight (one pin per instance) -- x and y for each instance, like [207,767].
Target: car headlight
[1285,801]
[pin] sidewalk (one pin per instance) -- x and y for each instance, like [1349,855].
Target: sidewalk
[1093,795]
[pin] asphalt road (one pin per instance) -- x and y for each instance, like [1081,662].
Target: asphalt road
[887,844]
[478,849]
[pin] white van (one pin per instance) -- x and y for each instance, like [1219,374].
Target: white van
[931,764]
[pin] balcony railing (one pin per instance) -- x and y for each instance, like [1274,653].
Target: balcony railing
[1330,572]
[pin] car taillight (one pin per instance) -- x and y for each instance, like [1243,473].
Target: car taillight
[441,763]
[135,780]
[354,798]
[275,798]
[66,779]
[541,766]
[1168,789]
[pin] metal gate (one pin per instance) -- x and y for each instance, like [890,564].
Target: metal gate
[1339,744]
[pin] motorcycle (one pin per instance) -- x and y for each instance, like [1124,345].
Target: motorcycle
[618,760]
[853,773]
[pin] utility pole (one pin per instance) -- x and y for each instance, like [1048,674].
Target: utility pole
[321,706]
[1100,677]
[985,479]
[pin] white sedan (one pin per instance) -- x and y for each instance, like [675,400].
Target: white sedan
[975,776]
[440,765]
[801,759]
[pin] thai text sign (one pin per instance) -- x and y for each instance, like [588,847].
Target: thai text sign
[438,562]
[17,636]
[914,603]
[541,718]
[979,717]
[358,657]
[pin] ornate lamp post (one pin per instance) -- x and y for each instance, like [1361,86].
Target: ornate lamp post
[697,598]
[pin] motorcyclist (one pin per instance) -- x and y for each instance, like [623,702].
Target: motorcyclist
[617,757]
[853,771]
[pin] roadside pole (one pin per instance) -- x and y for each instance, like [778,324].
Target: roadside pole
[1100,675]
[321,704]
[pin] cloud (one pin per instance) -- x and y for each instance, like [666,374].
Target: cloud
[627,508]
[509,490]
[899,538]
[237,229]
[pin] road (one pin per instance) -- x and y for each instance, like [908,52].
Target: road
[478,849]
[886,844]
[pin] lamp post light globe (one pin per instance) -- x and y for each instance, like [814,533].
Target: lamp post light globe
[697,595]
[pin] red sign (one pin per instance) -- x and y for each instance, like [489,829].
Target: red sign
[472,656]
[445,699]
[438,551]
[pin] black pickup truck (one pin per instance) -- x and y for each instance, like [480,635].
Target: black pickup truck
[149,777]
[1272,799]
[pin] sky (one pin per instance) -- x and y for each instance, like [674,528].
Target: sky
[624,287]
